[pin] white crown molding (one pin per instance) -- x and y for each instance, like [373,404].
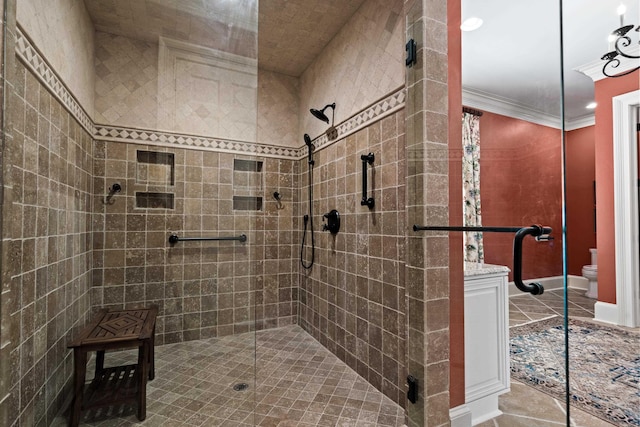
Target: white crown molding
[493,104]
[593,69]
[581,122]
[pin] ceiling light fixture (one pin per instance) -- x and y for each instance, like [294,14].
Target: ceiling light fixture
[591,105]
[471,24]
[621,44]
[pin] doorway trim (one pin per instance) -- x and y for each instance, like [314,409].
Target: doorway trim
[625,175]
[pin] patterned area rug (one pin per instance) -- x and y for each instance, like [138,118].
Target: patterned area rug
[604,367]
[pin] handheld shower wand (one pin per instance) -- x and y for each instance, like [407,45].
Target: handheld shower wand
[309,143]
[308,219]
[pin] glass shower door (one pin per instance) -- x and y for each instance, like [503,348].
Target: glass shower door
[512,160]
[601,73]
[494,249]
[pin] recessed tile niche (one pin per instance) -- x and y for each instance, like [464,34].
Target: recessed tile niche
[155,169]
[247,184]
[153,200]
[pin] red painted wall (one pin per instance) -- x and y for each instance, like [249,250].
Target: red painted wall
[456,275]
[521,185]
[605,89]
[580,175]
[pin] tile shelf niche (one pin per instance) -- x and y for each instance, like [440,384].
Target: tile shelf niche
[155,168]
[248,186]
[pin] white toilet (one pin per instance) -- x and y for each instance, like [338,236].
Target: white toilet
[590,272]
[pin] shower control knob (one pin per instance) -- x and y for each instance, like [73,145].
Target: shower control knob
[333,222]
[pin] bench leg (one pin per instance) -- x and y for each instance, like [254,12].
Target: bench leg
[143,367]
[99,362]
[152,363]
[79,374]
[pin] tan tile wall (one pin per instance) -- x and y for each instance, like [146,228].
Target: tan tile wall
[277,254]
[361,64]
[63,30]
[126,81]
[7,35]
[126,94]
[278,103]
[427,268]
[353,299]
[46,248]
[203,289]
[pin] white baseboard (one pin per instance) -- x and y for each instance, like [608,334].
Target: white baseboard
[606,312]
[460,416]
[552,283]
[578,282]
[484,409]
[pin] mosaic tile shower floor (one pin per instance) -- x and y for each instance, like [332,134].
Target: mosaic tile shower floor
[300,383]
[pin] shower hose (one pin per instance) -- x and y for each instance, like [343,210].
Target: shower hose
[308,219]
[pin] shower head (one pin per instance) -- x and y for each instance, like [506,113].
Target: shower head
[319,114]
[307,140]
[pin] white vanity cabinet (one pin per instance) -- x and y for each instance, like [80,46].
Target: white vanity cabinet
[486,338]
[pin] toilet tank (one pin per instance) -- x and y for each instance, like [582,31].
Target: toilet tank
[594,256]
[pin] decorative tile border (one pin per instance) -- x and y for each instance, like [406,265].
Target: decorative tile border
[377,111]
[153,137]
[34,60]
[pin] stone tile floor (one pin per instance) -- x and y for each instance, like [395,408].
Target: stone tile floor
[525,406]
[299,383]
[526,308]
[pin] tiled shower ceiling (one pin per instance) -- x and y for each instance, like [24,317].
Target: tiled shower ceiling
[291,32]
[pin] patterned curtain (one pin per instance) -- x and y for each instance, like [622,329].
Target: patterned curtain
[473,246]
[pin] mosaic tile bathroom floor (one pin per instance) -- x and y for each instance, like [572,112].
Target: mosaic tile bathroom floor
[300,383]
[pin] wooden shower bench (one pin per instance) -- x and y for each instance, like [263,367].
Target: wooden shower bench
[112,330]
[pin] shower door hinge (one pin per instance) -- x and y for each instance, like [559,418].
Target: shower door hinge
[412,392]
[412,53]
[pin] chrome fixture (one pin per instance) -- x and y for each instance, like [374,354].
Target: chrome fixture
[622,45]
